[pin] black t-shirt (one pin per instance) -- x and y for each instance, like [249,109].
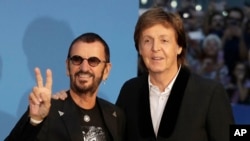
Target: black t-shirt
[93,126]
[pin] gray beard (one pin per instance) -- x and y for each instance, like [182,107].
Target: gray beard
[89,90]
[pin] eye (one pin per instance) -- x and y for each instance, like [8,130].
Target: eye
[147,41]
[77,60]
[164,41]
[94,61]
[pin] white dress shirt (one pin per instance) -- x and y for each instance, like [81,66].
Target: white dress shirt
[158,101]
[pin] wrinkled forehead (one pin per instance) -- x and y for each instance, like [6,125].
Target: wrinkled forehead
[164,24]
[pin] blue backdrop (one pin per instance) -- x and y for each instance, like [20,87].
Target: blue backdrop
[38,33]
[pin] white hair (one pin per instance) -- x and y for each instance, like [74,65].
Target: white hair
[212,37]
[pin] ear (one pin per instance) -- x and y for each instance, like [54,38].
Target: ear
[179,50]
[67,66]
[106,71]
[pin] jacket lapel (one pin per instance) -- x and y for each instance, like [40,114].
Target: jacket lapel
[110,118]
[145,122]
[70,116]
[172,109]
[72,120]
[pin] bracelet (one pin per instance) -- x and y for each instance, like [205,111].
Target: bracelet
[33,121]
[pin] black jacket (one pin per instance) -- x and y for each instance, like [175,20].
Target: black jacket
[197,110]
[63,123]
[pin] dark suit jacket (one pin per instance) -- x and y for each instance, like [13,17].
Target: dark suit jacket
[197,110]
[63,123]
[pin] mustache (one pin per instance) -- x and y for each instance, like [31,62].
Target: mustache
[82,72]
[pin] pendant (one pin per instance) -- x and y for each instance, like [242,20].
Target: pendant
[86,118]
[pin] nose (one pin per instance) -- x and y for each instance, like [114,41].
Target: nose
[155,46]
[84,65]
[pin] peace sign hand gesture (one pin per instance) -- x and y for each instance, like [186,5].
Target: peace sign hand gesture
[40,97]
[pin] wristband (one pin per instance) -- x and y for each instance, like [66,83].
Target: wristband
[33,121]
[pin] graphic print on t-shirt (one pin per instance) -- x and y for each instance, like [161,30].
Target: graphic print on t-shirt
[92,125]
[92,133]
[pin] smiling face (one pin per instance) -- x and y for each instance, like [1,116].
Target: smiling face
[159,49]
[85,79]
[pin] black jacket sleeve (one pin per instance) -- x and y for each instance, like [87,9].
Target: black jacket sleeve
[23,130]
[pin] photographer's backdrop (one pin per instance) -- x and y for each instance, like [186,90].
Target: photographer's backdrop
[38,33]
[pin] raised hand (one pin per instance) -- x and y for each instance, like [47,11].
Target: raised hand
[40,97]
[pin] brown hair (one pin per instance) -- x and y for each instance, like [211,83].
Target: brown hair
[155,16]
